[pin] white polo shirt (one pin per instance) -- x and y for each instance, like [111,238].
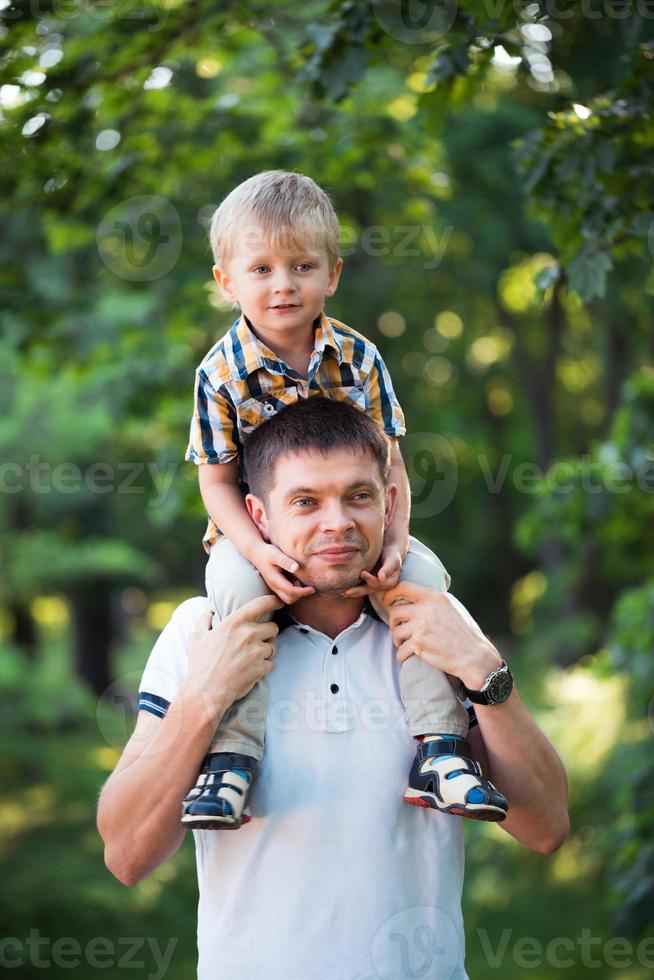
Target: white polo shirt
[335,877]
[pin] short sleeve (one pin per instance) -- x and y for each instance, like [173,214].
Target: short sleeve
[384,406]
[213,437]
[167,664]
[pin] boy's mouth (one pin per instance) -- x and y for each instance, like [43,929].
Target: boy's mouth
[285,306]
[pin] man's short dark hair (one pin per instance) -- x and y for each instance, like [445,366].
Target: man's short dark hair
[313,424]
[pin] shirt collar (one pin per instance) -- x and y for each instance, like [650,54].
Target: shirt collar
[252,354]
[283,618]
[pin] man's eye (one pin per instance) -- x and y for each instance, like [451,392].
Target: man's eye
[363,495]
[303,502]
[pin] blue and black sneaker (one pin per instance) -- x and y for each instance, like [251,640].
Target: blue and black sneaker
[218,799]
[445,777]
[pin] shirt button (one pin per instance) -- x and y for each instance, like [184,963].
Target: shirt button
[334,650]
[334,688]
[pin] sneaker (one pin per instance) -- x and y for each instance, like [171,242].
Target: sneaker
[217,801]
[445,777]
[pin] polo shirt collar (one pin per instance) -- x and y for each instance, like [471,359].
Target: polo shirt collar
[283,618]
[254,354]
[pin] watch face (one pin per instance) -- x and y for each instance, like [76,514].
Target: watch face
[500,687]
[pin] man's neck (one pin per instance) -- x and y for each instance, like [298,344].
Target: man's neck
[329,614]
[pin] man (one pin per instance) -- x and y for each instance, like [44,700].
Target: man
[335,877]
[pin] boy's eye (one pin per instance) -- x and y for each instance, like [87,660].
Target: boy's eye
[260,267]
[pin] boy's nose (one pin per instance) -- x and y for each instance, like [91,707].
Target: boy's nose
[283,283]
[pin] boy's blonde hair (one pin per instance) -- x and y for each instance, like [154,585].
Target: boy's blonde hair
[292,210]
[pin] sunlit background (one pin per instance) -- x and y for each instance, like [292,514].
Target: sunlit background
[491,166]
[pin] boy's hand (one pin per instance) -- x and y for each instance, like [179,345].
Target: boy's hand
[387,576]
[272,564]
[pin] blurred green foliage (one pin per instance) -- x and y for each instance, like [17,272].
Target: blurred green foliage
[492,168]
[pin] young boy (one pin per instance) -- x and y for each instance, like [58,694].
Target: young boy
[275,243]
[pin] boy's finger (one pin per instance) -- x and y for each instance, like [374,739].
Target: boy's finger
[375,584]
[356,592]
[286,562]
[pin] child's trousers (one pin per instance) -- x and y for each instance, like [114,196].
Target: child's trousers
[430,703]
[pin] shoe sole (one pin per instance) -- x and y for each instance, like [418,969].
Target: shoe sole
[482,812]
[201,821]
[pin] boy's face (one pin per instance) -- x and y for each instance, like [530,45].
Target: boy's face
[279,292]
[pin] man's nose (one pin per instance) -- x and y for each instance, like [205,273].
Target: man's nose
[335,517]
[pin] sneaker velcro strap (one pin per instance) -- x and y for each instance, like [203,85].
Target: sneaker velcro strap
[224,761]
[464,775]
[233,789]
[444,746]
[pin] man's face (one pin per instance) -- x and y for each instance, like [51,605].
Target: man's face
[329,513]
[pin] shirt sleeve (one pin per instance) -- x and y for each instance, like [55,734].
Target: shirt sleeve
[384,406]
[167,664]
[214,432]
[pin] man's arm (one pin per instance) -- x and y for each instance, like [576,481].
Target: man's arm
[513,751]
[515,754]
[140,805]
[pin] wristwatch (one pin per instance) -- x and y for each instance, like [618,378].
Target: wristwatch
[495,689]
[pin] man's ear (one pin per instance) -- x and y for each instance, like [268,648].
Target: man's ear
[257,511]
[224,284]
[391,504]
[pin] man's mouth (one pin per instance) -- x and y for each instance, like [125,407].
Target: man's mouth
[337,552]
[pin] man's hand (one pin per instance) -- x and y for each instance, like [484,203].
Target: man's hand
[387,576]
[426,623]
[226,662]
[272,563]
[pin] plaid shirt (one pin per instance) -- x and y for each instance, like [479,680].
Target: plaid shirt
[242,383]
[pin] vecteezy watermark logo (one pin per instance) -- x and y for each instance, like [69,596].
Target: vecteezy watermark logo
[418,943]
[43,953]
[140,239]
[415,21]
[433,472]
[565,952]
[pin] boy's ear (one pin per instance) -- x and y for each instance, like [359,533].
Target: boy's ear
[257,512]
[224,283]
[334,277]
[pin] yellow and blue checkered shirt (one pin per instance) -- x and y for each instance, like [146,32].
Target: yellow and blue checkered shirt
[242,383]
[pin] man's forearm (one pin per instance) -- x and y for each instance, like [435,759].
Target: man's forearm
[140,805]
[527,770]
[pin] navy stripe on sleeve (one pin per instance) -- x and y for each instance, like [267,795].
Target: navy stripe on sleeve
[203,415]
[153,703]
[386,405]
[472,717]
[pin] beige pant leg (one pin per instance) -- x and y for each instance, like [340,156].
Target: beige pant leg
[232,581]
[429,697]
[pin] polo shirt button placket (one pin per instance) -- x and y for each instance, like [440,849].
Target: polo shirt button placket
[334,688]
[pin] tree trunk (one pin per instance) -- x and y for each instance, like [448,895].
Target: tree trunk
[23,632]
[94,631]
